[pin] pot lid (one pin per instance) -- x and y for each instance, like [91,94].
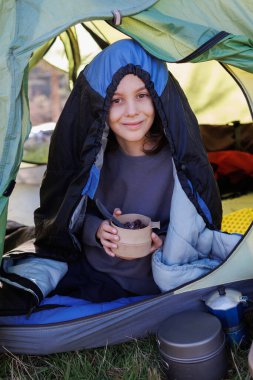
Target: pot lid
[190,335]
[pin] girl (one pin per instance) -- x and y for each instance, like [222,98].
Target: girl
[137,177]
[124,124]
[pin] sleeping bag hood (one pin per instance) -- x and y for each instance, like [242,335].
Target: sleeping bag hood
[79,138]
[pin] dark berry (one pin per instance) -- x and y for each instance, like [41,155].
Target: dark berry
[135,225]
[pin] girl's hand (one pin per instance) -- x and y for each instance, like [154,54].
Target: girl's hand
[157,242]
[117,212]
[108,235]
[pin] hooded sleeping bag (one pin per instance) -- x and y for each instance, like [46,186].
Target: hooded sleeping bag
[193,244]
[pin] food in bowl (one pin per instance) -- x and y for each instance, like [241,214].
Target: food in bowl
[135,225]
[135,238]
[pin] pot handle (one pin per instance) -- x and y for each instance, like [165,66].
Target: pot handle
[155,225]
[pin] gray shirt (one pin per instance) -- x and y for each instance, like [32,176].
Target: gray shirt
[141,185]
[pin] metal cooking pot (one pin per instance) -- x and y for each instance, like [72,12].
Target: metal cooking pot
[192,346]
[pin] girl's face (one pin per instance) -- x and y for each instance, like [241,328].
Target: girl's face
[132,112]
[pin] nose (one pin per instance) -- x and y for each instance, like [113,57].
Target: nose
[131,107]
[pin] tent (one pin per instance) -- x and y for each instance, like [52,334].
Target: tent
[174,31]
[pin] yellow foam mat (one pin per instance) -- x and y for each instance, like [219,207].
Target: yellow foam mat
[237,221]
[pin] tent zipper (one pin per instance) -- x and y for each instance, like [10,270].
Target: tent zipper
[207,45]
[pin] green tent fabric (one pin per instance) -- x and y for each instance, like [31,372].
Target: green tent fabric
[170,35]
[162,27]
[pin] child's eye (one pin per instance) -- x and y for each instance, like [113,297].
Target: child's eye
[142,95]
[116,101]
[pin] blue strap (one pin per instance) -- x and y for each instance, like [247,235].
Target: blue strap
[92,183]
[201,203]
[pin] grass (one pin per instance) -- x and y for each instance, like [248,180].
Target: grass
[128,361]
[136,360]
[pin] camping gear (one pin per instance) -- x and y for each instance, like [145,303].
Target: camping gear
[134,243]
[192,345]
[231,136]
[71,327]
[96,327]
[228,305]
[238,220]
[163,27]
[233,171]
[192,251]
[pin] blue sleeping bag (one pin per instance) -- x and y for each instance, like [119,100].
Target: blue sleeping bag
[62,308]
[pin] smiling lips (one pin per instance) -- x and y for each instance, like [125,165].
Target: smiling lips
[132,125]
